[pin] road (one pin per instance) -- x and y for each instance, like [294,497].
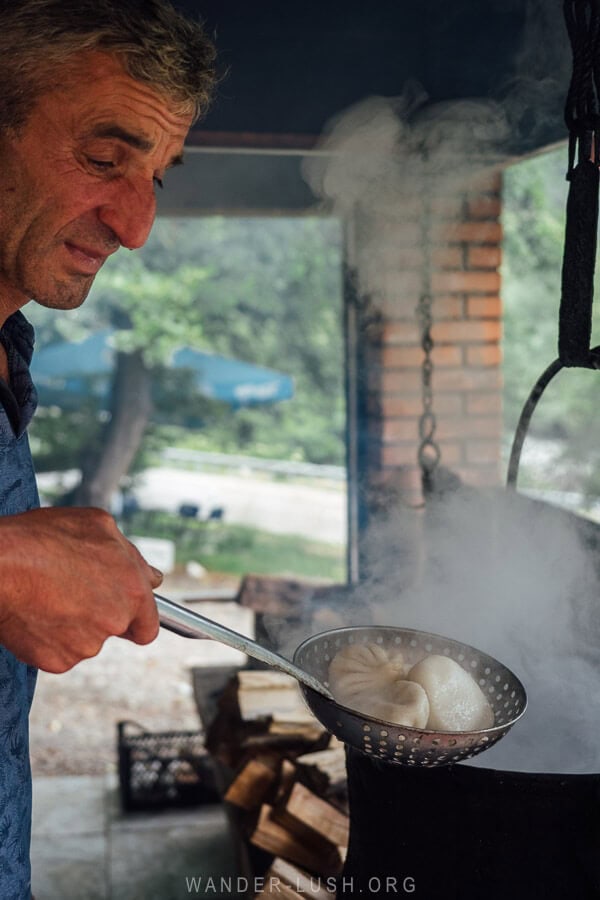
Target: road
[280,507]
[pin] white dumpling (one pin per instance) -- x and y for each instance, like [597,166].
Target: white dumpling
[365,669]
[409,706]
[456,702]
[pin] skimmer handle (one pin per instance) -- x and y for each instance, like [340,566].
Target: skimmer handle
[190,624]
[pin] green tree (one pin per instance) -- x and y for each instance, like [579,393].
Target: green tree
[264,290]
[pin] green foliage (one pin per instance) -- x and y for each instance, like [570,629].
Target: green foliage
[267,291]
[533,220]
[237,549]
[61,436]
[534,206]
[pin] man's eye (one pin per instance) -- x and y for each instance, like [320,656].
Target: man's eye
[102,164]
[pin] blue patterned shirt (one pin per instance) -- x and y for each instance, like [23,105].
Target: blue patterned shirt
[18,493]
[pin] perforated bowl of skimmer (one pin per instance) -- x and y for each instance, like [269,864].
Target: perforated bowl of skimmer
[402,744]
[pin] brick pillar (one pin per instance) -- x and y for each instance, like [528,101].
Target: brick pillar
[465,281]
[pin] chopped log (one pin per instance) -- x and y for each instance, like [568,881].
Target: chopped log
[291,745]
[304,810]
[252,785]
[283,875]
[287,778]
[275,695]
[313,853]
[330,763]
[227,733]
[310,731]
[276,888]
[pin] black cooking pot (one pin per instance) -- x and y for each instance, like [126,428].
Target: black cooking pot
[466,833]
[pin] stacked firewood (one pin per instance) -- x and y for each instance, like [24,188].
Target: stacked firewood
[285,785]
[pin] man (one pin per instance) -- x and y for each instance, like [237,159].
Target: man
[97,99]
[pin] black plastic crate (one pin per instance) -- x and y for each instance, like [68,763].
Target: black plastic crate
[158,770]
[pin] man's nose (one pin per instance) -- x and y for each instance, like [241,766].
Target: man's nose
[130,213]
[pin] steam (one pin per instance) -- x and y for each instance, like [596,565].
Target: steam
[512,577]
[383,159]
[518,580]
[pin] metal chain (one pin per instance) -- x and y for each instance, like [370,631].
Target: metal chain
[429,452]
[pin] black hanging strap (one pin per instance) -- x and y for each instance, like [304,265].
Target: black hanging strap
[579,260]
[582,18]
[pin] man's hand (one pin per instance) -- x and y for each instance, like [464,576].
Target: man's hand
[69,579]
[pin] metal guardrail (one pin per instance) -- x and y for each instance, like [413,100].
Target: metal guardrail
[199,458]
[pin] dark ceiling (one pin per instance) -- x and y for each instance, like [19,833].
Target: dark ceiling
[292,66]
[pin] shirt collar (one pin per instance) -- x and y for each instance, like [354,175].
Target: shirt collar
[17,335]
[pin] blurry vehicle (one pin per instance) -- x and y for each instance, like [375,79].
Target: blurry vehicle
[208,513]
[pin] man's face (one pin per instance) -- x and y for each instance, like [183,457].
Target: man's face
[78,182]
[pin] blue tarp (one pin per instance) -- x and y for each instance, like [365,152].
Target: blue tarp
[66,371]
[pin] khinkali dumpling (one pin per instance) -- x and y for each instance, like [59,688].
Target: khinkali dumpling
[365,668]
[370,679]
[456,702]
[409,705]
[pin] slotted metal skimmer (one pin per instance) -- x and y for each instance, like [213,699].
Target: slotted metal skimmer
[400,743]
[382,740]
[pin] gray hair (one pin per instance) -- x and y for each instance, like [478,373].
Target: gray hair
[155,43]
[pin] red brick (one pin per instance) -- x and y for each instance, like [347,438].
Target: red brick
[469,427]
[484,307]
[485,355]
[408,357]
[471,331]
[484,404]
[390,315]
[448,307]
[484,207]
[392,407]
[489,181]
[452,453]
[483,452]
[445,356]
[471,232]
[412,357]
[401,333]
[449,404]
[487,257]
[399,455]
[402,381]
[444,404]
[394,357]
[400,431]
[466,282]
[450,257]
[466,380]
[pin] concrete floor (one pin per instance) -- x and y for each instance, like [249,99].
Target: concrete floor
[85,848]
